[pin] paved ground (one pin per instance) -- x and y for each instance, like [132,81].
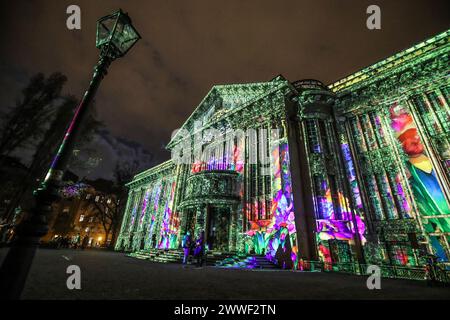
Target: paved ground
[111,275]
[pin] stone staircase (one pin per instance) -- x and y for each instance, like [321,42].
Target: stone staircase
[213,258]
[176,256]
[246,262]
[159,255]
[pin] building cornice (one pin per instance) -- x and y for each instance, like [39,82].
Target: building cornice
[416,54]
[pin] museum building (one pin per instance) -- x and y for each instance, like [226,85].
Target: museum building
[354,171]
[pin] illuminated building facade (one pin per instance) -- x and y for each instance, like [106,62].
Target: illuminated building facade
[356,171]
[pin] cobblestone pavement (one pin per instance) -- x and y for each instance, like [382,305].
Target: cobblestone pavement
[112,275]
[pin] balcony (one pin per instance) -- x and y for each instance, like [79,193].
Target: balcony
[217,187]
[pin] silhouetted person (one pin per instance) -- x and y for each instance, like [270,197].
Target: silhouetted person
[432,270]
[85,242]
[186,244]
[200,249]
[76,242]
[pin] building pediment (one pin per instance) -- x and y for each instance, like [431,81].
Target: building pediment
[222,100]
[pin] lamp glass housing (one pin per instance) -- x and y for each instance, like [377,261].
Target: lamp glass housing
[116,34]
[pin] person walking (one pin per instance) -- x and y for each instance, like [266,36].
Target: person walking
[431,271]
[76,241]
[199,249]
[186,244]
[85,242]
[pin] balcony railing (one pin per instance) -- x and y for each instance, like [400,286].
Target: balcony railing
[387,271]
[215,166]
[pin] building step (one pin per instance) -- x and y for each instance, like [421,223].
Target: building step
[212,258]
[246,262]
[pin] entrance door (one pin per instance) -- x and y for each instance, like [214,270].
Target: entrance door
[218,228]
[190,221]
[340,251]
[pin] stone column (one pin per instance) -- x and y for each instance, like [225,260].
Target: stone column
[301,185]
[125,220]
[232,234]
[183,222]
[200,217]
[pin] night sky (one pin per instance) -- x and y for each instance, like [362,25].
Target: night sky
[188,46]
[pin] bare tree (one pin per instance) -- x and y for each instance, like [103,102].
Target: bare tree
[110,206]
[124,172]
[46,147]
[107,208]
[26,121]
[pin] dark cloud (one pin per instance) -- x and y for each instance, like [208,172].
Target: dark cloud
[110,150]
[188,46]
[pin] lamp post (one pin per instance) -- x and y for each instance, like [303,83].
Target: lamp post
[115,37]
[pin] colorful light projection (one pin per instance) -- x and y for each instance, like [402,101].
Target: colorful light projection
[332,225]
[144,207]
[351,174]
[279,233]
[402,195]
[260,237]
[197,166]
[73,190]
[237,159]
[170,222]
[427,192]
[229,158]
[401,255]
[340,229]
[133,214]
[325,255]
[54,167]
[155,196]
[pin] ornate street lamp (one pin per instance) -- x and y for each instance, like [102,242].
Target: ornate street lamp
[115,37]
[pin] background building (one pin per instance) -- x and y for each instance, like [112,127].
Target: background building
[92,209]
[357,170]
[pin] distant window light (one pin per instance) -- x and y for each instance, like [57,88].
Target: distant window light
[66,209]
[91,219]
[82,217]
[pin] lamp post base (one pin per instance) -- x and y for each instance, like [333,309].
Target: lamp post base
[17,263]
